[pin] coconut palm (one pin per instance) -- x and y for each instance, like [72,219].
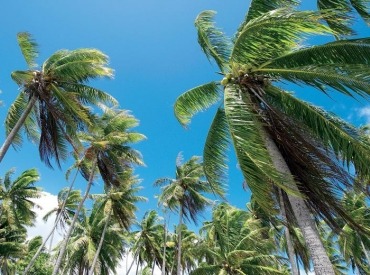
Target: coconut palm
[239,244]
[85,241]
[17,207]
[147,240]
[108,152]
[185,193]
[53,103]
[118,204]
[281,141]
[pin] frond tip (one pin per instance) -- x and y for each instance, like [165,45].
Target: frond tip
[28,47]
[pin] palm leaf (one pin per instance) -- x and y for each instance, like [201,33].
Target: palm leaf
[213,41]
[363,8]
[254,159]
[215,152]
[196,100]
[28,47]
[344,139]
[274,34]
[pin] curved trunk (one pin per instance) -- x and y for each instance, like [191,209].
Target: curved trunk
[179,242]
[91,271]
[290,248]
[320,259]
[9,139]
[71,227]
[31,263]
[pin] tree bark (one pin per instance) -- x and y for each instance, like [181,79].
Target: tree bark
[179,242]
[70,230]
[9,139]
[153,265]
[320,259]
[91,272]
[164,248]
[31,263]
[290,248]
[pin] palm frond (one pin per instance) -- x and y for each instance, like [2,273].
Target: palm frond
[28,47]
[215,153]
[344,139]
[274,34]
[196,100]
[254,159]
[213,41]
[363,9]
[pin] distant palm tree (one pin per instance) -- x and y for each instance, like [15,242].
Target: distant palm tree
[17,207]
[238,244]
[119,205]
[108,152]
[281,141]
[185,193]
[54,98]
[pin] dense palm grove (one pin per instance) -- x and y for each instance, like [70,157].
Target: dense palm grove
[308,170]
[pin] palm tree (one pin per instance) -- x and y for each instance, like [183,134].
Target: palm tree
[108,152]
[281,141]
[16,196]
[85,240]
[238,244]
[184,194]
[118,204]
[54,98]
[147,240]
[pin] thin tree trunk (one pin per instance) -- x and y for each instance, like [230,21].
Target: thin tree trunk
[290,247]
[137,267]
[31,263]
[320,259]
[179,242]
[164,248]
[365,252]
[9,139]
[131,265]
[91,272]
[69,233]
[153,265]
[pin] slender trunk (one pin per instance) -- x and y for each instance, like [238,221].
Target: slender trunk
[153,265]
[320,259]
[91,272]
[179,241]
[51,239]
[365,252]
[131,265]
[9,139]
[290,247]
[164,249]
[31,263]
[71,227]
[137,268]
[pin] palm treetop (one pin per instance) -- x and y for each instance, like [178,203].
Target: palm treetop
[54,98]
[318,146]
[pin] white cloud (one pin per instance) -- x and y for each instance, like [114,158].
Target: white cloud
[364,113]
[126,262]
[47,202]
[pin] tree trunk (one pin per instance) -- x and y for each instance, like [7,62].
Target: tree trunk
[320,259]
[179,242]
[9,139]
[71,227]
[153,265]
[31,263]
[91,272]
[290,247]
[164,249]
[131,265]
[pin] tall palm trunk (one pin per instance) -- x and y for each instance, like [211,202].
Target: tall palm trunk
[320,259]
[153,265]
[179,241]
[31,263]
[9,139]
[164,248]
[290,248]
[70,230]
[91,272]
[131,265]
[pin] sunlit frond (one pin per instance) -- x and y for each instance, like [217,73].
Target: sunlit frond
[213,41]
[28,47]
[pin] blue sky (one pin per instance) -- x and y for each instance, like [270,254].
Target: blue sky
[153,48]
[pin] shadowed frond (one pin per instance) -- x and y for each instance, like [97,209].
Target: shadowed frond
[363,9]
[215,152]
[213,41]
[196,100]
[28,47]
[274,34]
